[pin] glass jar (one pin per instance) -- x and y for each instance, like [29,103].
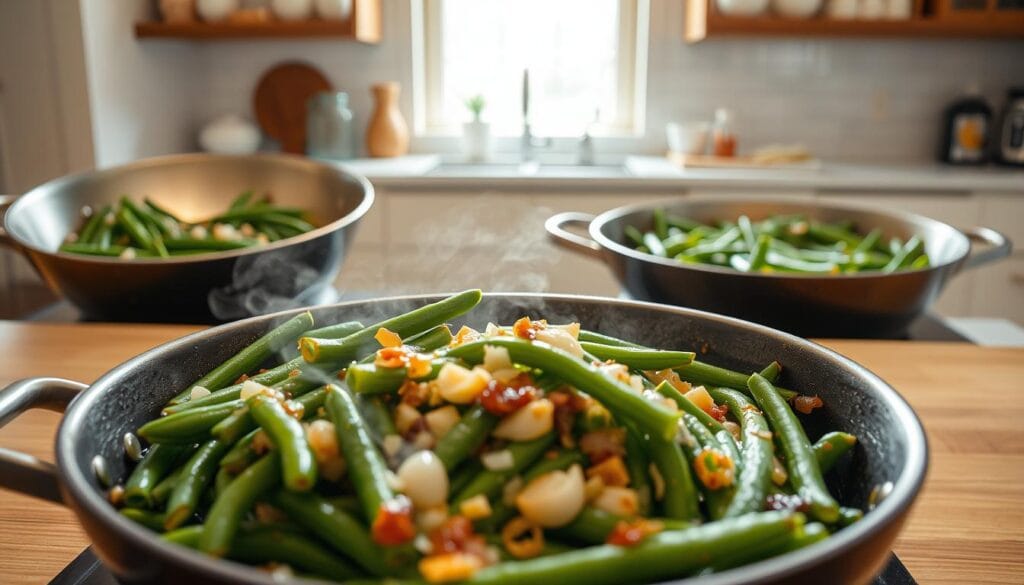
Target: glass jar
[723,136]
[330,133]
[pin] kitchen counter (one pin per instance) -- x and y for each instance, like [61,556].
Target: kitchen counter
[967,527]
[652,173]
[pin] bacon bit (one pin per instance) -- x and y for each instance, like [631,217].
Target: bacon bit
[342,374]
[505,398]
[414,393]
[604,443]
[449,567]
[241,379]
[522,539]
[719,411]
[612,471]
[715,470]
[387,338]
[807,404]
[524,328]
[634,532]
[393,524]
[456,535]
[567,404]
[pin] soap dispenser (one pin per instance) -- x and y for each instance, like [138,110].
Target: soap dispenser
[966,125]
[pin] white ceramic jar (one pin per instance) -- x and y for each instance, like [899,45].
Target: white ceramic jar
[216,10]
[796,8]
[292,9]
[334,9]
[742,7]
[230,134]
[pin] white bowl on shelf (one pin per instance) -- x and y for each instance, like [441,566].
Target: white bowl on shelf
[742,7]
[796,8]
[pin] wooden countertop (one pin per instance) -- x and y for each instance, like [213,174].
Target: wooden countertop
[967,527]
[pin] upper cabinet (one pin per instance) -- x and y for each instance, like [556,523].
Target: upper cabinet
[707,19]
[362,25]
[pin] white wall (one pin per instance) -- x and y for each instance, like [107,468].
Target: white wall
[142,94]
[863,100]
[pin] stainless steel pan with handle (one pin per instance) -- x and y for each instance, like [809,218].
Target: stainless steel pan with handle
[890,458]
[868,304]
[205,287]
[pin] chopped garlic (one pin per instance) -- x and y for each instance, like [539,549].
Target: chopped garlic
[198,392]
[250,389]
[198,232]
[247,230]
[392,445]
[498,460]
[422,544]
[128,254]
[441,420]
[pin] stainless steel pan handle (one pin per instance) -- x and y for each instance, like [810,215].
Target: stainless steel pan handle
[5,202]
[573,242]
[1000,246]
[25,473]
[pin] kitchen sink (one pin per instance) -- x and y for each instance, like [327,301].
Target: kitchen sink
[518,170]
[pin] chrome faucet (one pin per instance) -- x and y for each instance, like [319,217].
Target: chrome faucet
[528,142]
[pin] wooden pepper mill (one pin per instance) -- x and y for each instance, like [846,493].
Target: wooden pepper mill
[386,135]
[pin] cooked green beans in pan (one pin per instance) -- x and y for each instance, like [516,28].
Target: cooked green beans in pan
[777,244]
[524,452]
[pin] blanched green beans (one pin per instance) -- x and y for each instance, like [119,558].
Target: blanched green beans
[193,478]
[465,437]
[289,438]
[490,482]
[157,464]
[757,452]
[237,499]
[830,447]
[641,359]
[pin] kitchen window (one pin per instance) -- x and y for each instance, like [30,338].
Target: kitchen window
[586,62]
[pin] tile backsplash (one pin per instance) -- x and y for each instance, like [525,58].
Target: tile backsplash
[849,99]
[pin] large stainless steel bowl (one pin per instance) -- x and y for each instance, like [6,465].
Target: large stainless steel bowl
[867,304]
[890,458]
[200,288]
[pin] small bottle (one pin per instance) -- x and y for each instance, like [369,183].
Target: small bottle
[965,130]
[723,138]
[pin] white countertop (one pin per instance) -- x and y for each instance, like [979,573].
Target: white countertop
[656,173]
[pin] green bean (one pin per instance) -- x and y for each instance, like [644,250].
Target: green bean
[336,331]
[640,359]
[849,516]
[241,421]
[709,375]
[134,227]
[757,452]
[162,491]
[430,340]
[804,473]
[759,253]
[637,464]
[590,526]
[151,224]
[341,532]
[252,356]
[654,244]
[373,379]
[662,556]
[207,244]
[366,467]
[268,215]
[686,405]
[316,350]
[152,520]
[747,231]
[157,464]
[465,437]
[241,454]
[161,210]
[221,482]
[490,481]
[660,223]
[265,544]
[830,447]
[618,398]
[190,426]
[832,234]
[93,225]
[465,474]
[684,223]
[237,499]
[635,235]
[680,494]
[595,337]
[906,254]
[268,230]
[377,416]
[785,263]
[771,372]
[195,477]
[298,465]
[241,201]
[100,250]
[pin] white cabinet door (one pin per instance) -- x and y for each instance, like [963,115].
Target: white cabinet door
[1000,290]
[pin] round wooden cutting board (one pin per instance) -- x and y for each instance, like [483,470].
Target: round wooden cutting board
[280,102]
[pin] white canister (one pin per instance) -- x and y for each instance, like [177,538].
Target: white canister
[216,10]
[476,140]
[292,9]
[230,134]
[742,7]
[899,9]
[334,9]
[871,9]
[841,9]
[796,8]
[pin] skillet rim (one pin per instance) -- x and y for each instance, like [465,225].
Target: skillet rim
[77,487]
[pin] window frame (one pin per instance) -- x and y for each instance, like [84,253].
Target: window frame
[428,74]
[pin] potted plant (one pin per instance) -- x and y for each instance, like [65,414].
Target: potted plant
[476,134]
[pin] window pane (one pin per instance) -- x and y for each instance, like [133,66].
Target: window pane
[571,48]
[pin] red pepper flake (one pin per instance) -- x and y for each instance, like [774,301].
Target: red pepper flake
[394,525]
[455,535]
[634,532]
[501,399]
[807,404]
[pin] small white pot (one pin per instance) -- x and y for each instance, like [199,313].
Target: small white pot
[230,134]
[292,9]
[742,7]
[476,140]
[334,9]
[841,9]
[216,10]
[796,8]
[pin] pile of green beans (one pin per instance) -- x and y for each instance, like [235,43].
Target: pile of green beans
[238,465]
[780,243]
[144,229]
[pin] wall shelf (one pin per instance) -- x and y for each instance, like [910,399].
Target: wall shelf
[363,26]
[703,22]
